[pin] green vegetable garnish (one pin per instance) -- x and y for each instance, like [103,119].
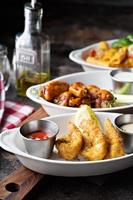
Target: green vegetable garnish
[121,43]
[123,99]
[125,89]
[130,37]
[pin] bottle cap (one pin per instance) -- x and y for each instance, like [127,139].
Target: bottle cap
[33,13]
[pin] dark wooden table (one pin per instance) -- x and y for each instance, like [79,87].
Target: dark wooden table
[70,28]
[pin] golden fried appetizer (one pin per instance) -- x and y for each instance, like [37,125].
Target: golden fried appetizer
[78,89]
[95,145]
[53,89]
[114,140]
[70,145]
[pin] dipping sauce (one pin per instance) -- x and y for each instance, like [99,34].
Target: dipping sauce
[127,128]
[39,135]
[124,76]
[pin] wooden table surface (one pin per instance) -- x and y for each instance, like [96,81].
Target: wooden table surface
[20,181]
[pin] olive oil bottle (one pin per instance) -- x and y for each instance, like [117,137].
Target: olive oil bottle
[32,51]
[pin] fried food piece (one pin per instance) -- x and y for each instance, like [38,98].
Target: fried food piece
[100,98]
[63,99]
[70,145]
[105,99]
[95,145]
[54,89]
[78,89]
[76,101]
[105,95]
[114,140]
[93,90]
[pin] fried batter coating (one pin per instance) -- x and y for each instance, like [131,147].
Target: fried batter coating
[95,146]
[54,89]
[114,140]
[70,145]
[78,89]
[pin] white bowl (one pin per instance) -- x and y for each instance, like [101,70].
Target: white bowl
[10,141]
[100,78]
[77,56]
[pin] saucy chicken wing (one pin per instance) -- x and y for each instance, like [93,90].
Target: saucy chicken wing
[53,89]
[63,99]
[78,89]
[76,94]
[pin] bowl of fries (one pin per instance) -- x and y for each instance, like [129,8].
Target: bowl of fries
[105,55]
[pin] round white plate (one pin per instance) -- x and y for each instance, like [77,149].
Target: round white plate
[101,79]
[77,56]
[10,141]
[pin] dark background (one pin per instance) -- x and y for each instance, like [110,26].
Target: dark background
[72,23]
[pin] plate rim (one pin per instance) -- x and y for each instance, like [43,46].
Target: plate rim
[73,55]
[60,162]
[52,105]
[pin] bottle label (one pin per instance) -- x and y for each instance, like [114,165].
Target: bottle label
[26,57]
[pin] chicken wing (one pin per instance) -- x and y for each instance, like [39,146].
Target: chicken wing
[63,99]
[53,89]
[79,90]
[70,145]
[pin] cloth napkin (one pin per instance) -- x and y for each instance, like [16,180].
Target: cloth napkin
[11,113]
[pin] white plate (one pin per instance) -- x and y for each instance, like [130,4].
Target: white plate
[77,56]
[10,141]
[100,78]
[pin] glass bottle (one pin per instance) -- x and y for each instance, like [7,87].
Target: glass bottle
[5,66]
[32,51]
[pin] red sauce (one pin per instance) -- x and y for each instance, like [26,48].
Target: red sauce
[39,135]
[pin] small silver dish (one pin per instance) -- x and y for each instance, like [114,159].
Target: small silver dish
[127,136]
[42,147]
[122,81]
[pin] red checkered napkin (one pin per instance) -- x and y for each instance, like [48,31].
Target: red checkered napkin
[11,113]
[2,97]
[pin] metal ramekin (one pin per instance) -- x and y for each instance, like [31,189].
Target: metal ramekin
[40,148]
[127,137]
[121,87]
